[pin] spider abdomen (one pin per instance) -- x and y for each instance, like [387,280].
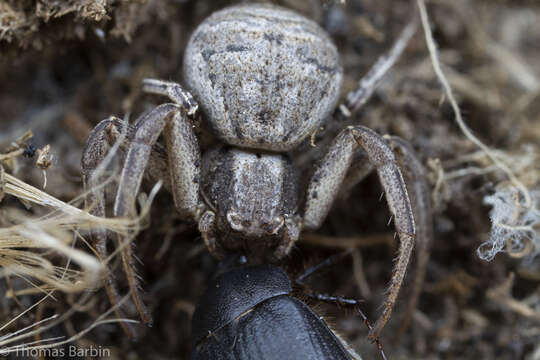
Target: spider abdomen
[265,76]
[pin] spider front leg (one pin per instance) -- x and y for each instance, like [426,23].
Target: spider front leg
[173,91]
[183,156]
[109,133]
[327,180]
[93,155]
[184,159]
[415,177]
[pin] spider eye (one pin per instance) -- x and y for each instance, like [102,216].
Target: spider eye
[266,226]
[273,228]
[278,221]
[234,220]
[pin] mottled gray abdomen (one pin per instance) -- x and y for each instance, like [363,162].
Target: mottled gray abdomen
[265,76]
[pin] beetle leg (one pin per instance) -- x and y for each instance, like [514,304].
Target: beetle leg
[369,82]
[301,279]
[417,187]
[341,301]
[325,185]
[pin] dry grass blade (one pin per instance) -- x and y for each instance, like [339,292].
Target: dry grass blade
[502,296]
[449,92]
[528,215]
[24,246]
[36,328]
[25,252]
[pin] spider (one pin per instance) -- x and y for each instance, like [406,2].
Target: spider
[265,78]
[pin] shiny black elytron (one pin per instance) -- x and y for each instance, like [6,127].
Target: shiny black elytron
[248,313]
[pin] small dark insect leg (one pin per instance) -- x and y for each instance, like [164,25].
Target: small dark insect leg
[417,187]
[339,300]
[93,155]
[355,304]
[172,118]
[369,82]
[325,184]
[301,279]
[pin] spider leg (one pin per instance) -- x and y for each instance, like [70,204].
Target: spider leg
[173,91]
[360,169]
[184,156]
[369,82]
[325,184]
[93,155]
[418,190]
[157,168]
[184,160]
[113,129]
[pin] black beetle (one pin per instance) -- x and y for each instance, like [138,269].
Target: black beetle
[248,312]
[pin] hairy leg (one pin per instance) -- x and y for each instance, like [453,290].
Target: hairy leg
[112,130]
[173,91]
[360,169]
[418,190]
[184,157]
[172,118]
[325,184]
[157,168]
[93,155]
[178,168]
